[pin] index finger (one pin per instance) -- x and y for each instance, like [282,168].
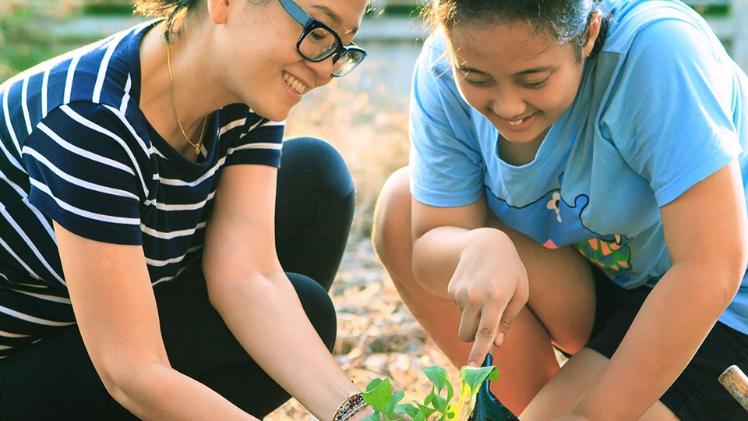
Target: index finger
[488,328]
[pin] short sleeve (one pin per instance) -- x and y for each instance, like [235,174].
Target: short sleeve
[87,171]
[446,165]
[259,143]
[672,112]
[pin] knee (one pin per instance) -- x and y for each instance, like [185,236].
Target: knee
[319,165]
[318,307]
[391,232]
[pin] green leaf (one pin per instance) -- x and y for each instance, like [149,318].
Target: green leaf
[378,394]
[450,392]
[430,397]
[407,409]
[475,376]
[438,376]
[439,403]
[396,397]
[373,384]
[425,410]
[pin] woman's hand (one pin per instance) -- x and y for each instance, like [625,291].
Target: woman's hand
[489,287]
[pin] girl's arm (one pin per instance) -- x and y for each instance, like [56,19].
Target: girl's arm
[456,256]
[116,312]
[251,292]
[705,231]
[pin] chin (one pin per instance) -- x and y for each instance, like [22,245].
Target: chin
[514,138]
[276,113]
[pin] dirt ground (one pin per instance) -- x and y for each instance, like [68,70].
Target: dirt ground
[377,336]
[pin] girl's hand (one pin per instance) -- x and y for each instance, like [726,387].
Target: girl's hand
[489,287]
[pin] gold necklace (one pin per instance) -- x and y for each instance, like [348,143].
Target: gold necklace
[195,145]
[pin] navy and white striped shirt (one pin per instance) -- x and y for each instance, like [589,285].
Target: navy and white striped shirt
[76,148]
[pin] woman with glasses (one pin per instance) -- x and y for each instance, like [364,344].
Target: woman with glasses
[147,267]
[577,180]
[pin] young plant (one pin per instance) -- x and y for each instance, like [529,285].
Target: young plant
[438,405]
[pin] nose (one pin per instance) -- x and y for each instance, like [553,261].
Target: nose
[322,70]
[508,104]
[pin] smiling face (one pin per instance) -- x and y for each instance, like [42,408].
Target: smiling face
[256,47]
[521,79]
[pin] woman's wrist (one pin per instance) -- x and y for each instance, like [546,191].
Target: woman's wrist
[351,408]
[363,414]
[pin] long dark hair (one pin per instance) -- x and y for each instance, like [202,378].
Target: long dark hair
[566,20]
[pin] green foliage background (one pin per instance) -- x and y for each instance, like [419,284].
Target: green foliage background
[24,32]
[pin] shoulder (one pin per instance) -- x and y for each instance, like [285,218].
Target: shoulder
[635,23]
[88,129]
[433,61]
[434,89]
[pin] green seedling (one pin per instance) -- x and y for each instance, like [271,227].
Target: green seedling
[439,405]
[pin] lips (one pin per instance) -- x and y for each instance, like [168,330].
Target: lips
[518,123]
[296,84]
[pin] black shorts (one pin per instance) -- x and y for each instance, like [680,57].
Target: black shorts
[696,393]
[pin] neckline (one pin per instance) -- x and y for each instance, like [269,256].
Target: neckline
[187,166]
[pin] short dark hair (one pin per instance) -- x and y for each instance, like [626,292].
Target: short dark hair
[566,20]
[169,10]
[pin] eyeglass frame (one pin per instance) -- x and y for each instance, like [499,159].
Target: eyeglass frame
[309,24]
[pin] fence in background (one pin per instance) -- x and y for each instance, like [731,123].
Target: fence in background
[728,18]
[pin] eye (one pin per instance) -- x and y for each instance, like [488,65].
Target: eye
[466,76]
[317,36]
[477,82]
[535,84]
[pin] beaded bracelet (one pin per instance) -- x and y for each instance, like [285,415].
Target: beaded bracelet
[351,406]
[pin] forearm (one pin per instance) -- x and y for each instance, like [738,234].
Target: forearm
[265,315]
[437,253]
[674,320]
[159,392]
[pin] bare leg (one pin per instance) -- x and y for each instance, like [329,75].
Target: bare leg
[560,395]
[561,292]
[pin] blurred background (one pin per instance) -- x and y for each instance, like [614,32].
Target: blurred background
[365,116]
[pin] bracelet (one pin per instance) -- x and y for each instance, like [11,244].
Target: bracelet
[351,406]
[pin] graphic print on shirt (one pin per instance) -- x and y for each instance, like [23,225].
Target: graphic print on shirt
[610,252]
[554,223]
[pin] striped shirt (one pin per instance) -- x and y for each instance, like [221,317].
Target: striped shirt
[75,148]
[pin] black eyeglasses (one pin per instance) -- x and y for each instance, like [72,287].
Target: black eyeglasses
[319,42]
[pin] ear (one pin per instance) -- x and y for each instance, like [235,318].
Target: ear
[593,31]
[218,10]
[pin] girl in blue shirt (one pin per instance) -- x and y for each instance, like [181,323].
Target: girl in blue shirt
[138,210]
[576,181]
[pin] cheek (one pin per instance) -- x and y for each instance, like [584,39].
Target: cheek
[477,98]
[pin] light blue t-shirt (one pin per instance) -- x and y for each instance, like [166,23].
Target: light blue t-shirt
[660,108]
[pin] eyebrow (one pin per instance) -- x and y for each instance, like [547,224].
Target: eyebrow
[334,16]
[468,69]
[531,70]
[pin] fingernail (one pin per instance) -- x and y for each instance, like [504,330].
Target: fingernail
[500,339]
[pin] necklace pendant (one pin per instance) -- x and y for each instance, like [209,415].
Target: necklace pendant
[197,149]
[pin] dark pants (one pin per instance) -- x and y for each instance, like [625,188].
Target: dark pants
[55,380]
